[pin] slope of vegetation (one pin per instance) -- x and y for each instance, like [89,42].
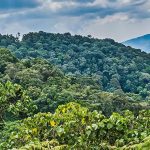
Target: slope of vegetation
[75,127]
[117,67]
[86,94]
[49,87]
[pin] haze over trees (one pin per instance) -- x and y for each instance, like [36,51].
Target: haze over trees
[142,42]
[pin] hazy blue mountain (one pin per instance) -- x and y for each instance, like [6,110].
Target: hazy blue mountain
[142,42]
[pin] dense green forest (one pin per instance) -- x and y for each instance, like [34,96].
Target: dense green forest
[59,91]
[117,67]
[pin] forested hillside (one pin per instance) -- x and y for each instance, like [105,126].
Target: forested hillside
[117,67]
[59,91]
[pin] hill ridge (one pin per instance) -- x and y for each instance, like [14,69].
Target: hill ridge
[141,42]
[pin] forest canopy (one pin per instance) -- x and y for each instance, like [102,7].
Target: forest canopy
[118,67]
[59,91]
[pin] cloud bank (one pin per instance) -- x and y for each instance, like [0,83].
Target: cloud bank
[118,19]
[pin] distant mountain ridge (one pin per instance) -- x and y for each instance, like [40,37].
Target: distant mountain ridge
[142,42]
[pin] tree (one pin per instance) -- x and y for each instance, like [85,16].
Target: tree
[15,100]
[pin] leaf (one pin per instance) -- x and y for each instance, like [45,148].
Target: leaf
[63,110]
[109,125]
[60,130]
[101,124]
[88,132]
[34,130]
[83,120]
[52,123]
[95,126]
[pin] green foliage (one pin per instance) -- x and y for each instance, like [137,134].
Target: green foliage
[15,100]
[46,145]
[117,66]
[40,105]
[78,128]
[49,87]
[5,58]
[144,145]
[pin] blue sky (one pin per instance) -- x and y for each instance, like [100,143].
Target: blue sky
[117,19]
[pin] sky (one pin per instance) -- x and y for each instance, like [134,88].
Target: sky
[116,19]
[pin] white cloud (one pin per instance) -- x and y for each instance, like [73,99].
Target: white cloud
[118,19]
[115,18]
[116,28]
